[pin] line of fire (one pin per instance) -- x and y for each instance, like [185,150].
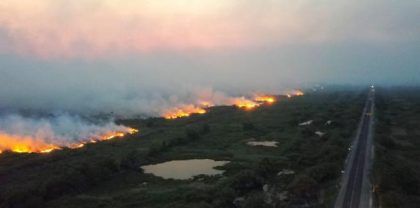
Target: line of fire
[29,144]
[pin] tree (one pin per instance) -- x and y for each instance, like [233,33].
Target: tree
[192,134]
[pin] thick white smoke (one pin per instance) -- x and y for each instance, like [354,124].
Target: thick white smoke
[18,133]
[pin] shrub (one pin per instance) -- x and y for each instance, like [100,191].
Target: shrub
[246,181]
[130,161]
[192,134]
[247,126]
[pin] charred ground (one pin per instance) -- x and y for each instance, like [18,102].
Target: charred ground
[107,174]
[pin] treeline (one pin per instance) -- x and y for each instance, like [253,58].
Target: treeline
[191,135]
[84,172]
[57,182]
[396,169]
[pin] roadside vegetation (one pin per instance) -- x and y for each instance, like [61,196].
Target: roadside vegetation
[397,141]
[302,171]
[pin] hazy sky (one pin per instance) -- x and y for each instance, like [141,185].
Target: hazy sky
[133,55]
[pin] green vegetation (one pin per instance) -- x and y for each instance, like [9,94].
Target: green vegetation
[397,141]
[107,174]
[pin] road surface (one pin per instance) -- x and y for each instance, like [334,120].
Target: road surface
[355,186]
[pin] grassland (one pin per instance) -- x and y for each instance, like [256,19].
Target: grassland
[397,141]
[107,174]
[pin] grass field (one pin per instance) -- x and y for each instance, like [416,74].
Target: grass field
[108,174]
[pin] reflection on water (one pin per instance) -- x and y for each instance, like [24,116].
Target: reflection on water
[263,143]
[184,169]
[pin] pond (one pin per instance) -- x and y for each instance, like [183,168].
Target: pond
[263,143]
[184,169]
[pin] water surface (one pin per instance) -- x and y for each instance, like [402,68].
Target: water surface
[184,169]
[263,143]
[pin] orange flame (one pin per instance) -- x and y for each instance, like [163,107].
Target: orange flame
[265,99]
[27,144]
[242,102]
[299,93]
[295,93]
[206,104]
[104,137]
[183,111]
[24,144]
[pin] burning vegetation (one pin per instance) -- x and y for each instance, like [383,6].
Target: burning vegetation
[240,102]
[184,111]
[245,103]
[24,144]
[28,144]
[104,137]
[265,99]
[201,108]
[45,141]
[295,93]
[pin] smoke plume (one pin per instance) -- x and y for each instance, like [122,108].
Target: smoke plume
[31,134]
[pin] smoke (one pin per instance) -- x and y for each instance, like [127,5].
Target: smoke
[141,58]
[35,134]
[92,28]
[122,90]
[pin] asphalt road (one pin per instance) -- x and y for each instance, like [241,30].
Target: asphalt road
[350,195]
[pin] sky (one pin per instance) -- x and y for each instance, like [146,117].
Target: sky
[142,56]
